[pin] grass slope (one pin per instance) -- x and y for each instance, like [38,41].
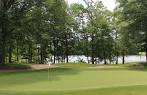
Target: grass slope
[77,79]
[14,66]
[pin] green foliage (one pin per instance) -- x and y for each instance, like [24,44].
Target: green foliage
[99,31]
[133,12]
[33,30]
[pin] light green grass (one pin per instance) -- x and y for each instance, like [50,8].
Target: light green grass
[79,79]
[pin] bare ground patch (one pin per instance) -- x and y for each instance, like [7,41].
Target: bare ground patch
[33,67]
[42,66]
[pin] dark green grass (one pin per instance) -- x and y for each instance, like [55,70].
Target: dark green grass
[128,90]
[77,79]
[14,66]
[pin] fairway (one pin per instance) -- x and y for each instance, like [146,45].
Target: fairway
[75,80]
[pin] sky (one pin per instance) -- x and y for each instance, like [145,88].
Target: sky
[110,4]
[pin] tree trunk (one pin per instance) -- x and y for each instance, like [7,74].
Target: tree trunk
[17,53]
[42,59]
[54,61]
[38,54]
[2,53]
[146,51]
[105,60]
[146,46]
[10,53]
[117,59]
[30,53]
[2,40]
[87,53]
[66,51]
[92,48]
[116,48]
[123,59]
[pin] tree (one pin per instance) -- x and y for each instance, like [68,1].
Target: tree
[11,13]
[101,39]
[134,13]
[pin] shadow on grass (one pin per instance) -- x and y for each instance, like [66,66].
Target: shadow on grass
[138,67]
[30,77]
[129,66]
[14,67]
[121,90]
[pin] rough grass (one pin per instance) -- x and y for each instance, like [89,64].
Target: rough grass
[14,66]
[77,79]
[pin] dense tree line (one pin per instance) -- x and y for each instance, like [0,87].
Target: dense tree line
[132,16]
[33,30]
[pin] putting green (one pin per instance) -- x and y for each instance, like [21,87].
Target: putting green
[72,80]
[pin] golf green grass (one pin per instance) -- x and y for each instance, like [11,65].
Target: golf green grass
[76,79]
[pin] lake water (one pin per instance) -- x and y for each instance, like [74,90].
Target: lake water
[128,59]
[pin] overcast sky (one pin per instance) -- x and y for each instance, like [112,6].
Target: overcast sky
[110,4]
